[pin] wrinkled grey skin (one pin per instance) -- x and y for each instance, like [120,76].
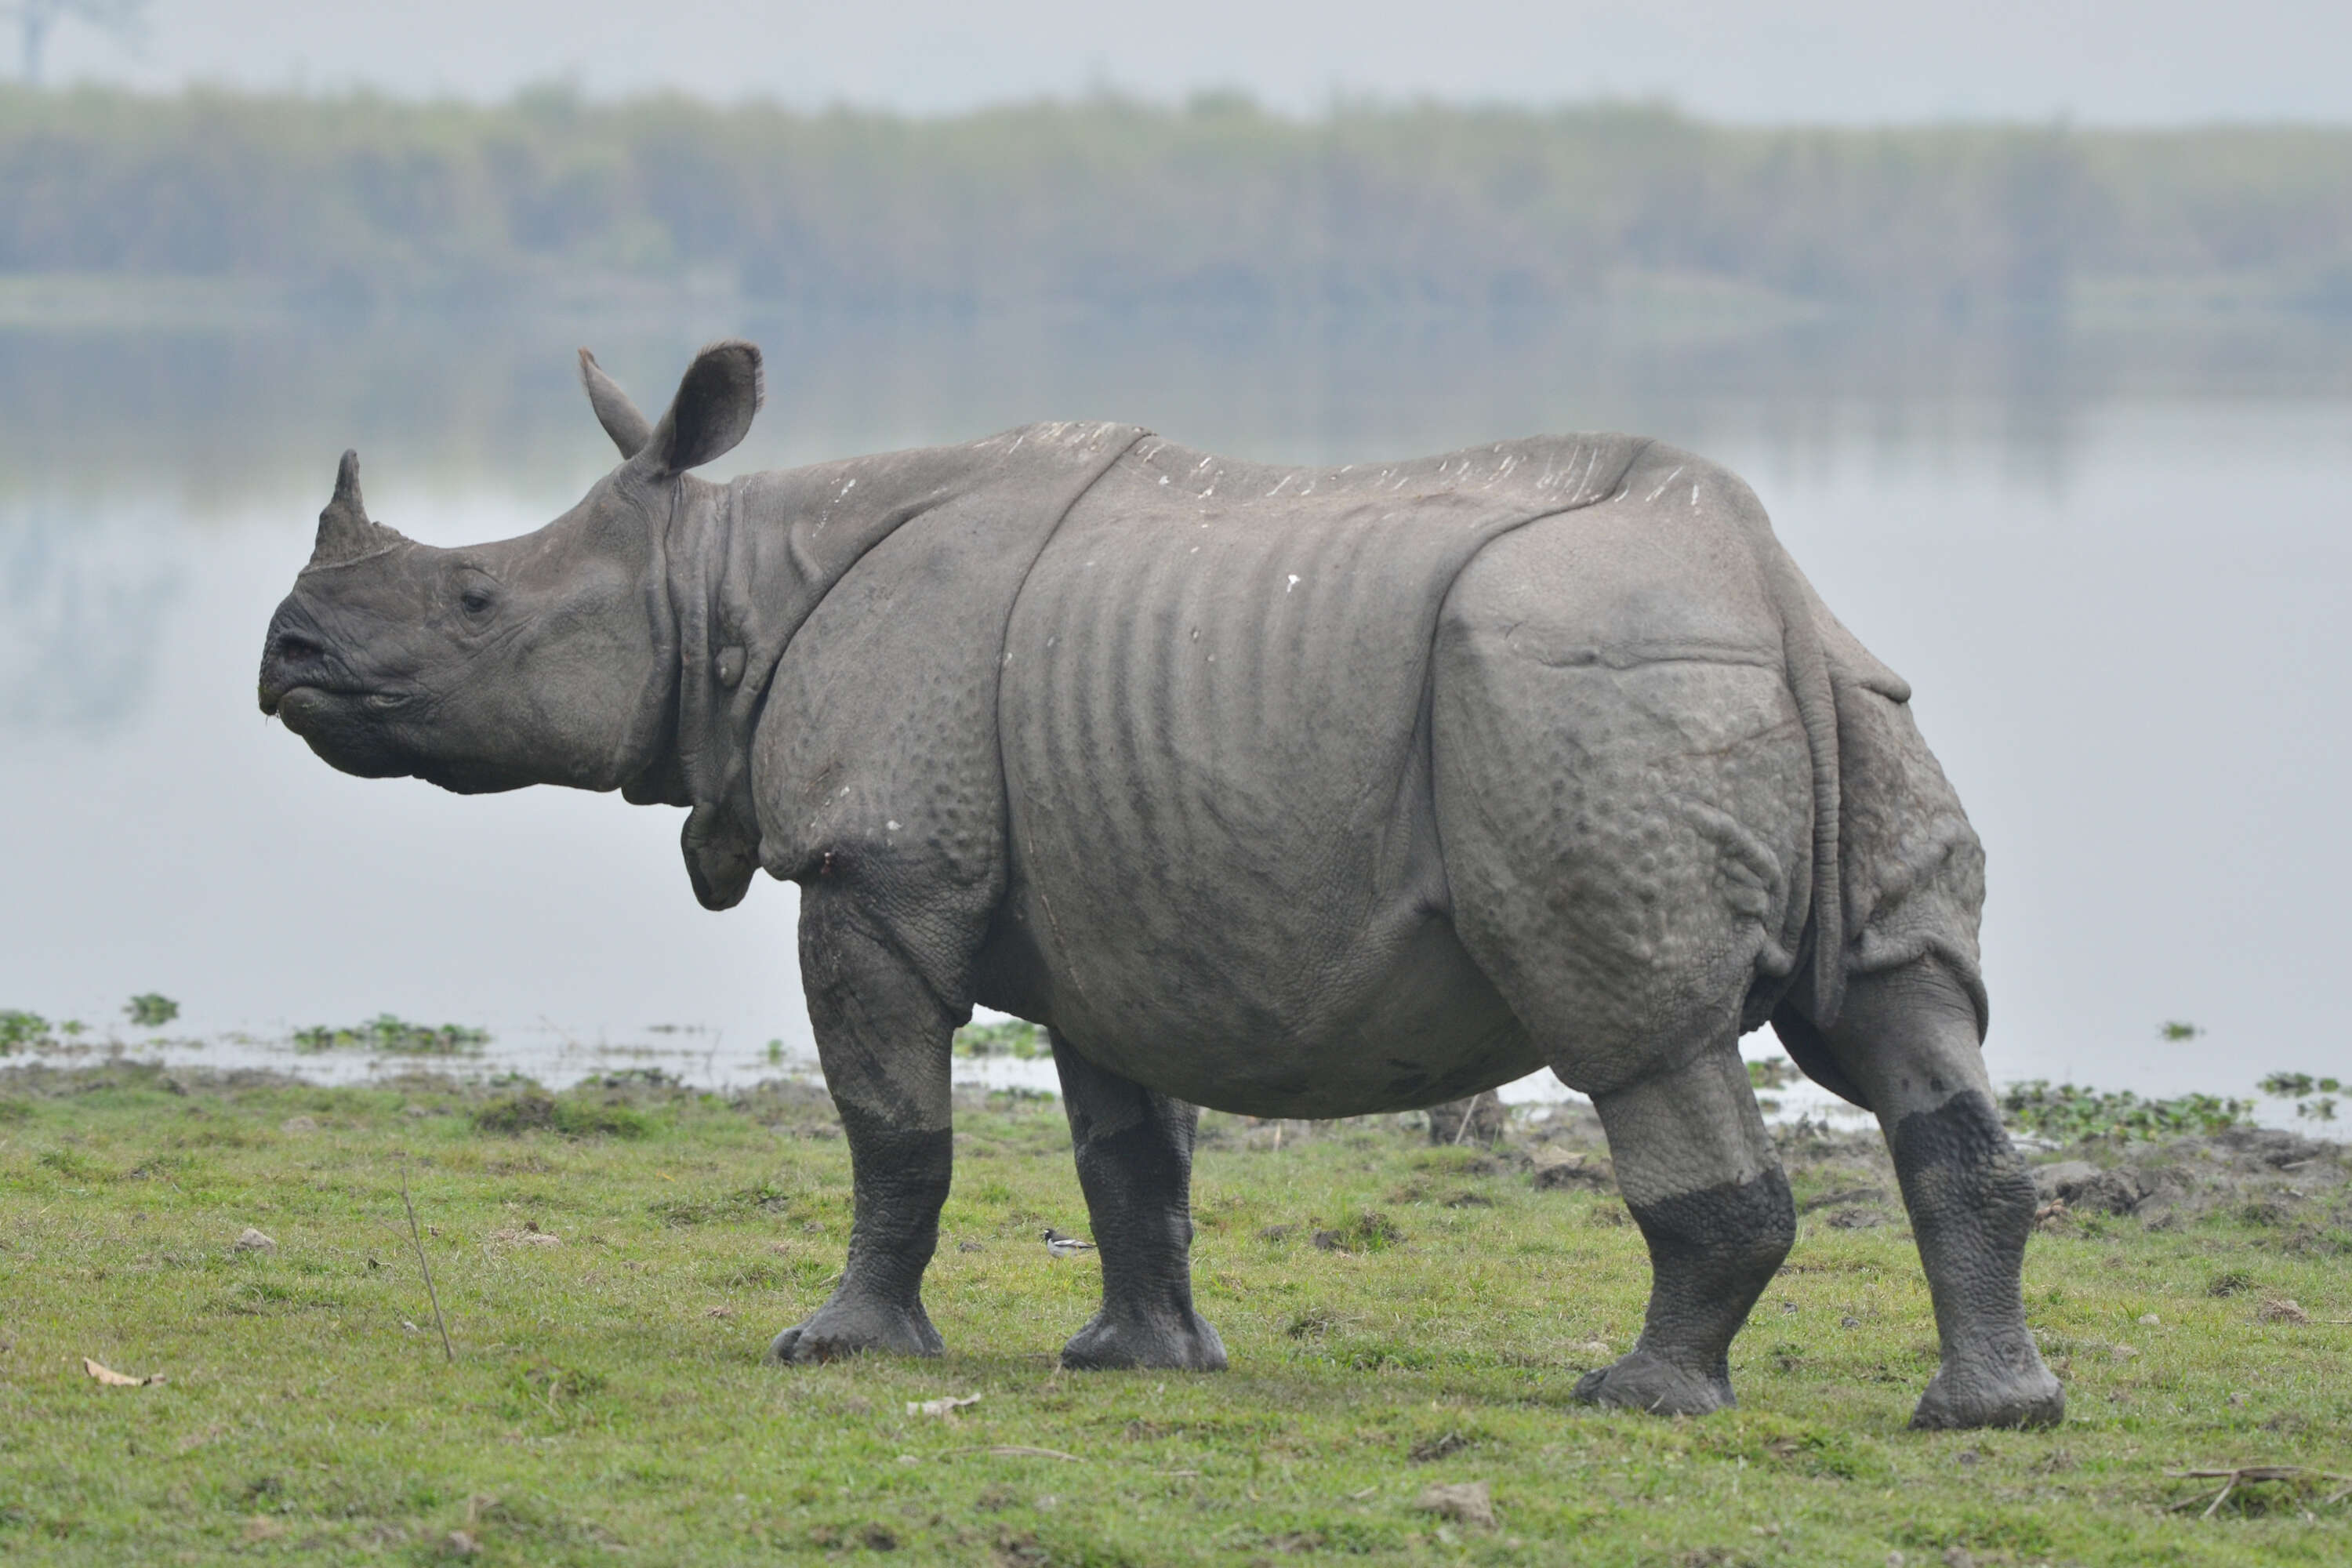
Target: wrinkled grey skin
[1290,792]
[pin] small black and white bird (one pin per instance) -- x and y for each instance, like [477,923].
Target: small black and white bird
[1062,1246]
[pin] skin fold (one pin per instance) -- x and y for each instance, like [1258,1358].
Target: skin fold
[1288,791]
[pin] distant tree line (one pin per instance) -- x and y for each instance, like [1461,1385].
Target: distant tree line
[1217,204]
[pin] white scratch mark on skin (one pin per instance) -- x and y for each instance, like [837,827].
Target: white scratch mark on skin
[1203,464]
[1294,582]
[1694,495]
[1163,478]
[890,827]
[1016,442]
[1663,484]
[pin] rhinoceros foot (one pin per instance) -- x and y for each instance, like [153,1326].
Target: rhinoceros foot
[1159,1344]
[846,1327]
[1641,1380]
[2029,1396]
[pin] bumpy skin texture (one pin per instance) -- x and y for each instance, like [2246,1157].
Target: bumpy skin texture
[1134,1151]
[1291,792]
[885,1050]
[1907,1038]
[1971,1203]
[1712,1252]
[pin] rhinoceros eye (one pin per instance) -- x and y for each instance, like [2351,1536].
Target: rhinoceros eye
[475,600]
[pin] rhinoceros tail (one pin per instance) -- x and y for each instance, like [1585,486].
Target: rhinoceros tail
[1809,682]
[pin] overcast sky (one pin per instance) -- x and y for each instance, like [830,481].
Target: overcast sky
[2106,61]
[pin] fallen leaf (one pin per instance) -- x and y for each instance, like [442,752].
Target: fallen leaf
[947,1406]
[113,1379]
[718,1311]
[251,1240]
[2283,1310]
[1470,1503]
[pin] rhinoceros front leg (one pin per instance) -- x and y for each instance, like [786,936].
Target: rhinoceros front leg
[1907,1038]
[1134,1151]
[1700,1174]
[883,1038]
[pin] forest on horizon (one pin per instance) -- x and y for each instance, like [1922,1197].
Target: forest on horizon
[361,203]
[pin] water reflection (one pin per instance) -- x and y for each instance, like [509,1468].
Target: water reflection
[212,421]
[83,603]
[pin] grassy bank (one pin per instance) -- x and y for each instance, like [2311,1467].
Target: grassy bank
[613,1262]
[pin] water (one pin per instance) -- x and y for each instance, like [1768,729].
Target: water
[2114,568]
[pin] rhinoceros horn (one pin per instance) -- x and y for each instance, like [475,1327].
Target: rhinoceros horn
[346,535]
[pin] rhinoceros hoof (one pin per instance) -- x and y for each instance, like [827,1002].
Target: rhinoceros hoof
[2028,1398]
[1640,1380]
[851,1328]
[1159,1344]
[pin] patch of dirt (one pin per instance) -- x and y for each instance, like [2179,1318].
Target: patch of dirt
[1558,1169]
[1431,1449]
[2262,1175]
[1488,1121]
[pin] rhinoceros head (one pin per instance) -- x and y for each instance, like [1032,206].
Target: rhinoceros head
[550,659]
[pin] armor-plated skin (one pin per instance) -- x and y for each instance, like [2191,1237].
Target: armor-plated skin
[1289,792]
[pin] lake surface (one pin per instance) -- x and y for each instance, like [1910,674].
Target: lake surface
[2115,569]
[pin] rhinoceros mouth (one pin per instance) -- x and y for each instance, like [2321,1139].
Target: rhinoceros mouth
[338,726]
[287,701]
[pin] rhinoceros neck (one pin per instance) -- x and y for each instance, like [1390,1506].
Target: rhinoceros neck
[748,563]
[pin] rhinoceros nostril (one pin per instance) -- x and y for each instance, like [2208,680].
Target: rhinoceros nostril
[297,649]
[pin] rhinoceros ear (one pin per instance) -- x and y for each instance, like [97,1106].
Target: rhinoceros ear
[721,391]
[628,428]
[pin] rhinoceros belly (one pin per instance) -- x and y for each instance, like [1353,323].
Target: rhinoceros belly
[1214,723]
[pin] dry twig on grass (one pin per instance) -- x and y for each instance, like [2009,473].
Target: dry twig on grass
[2249,1475]
[435,1295]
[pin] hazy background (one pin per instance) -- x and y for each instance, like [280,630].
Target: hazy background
[2033,328]
[1818,61]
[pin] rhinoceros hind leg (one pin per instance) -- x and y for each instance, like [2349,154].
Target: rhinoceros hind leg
[1701,1182]
[1134,1151]
[882,1039]
[1908,1037]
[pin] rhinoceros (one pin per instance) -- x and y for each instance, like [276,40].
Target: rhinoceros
[1289,792]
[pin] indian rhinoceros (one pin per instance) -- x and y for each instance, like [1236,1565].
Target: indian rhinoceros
[1290,792]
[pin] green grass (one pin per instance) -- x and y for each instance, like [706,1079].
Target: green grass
[608,1402]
